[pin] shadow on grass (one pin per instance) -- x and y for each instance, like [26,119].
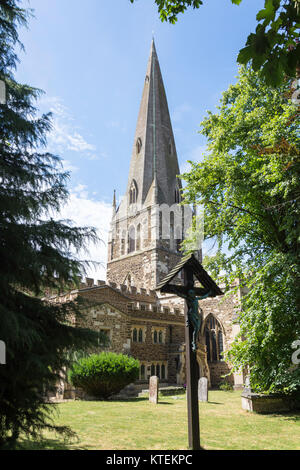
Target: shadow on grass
[139,399]
[287,415]
[47,444]
[127,400]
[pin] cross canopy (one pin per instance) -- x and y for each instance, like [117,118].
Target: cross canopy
[190,263]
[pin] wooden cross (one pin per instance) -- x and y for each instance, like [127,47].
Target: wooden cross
[192,269]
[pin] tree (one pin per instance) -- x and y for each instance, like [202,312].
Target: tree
[273,48]
[249,185]
[35,252]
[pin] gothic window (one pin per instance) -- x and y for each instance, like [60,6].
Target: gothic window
[207,341]
[142,371]
[170,147]
[138,237]
[214,339]
[171,229]
[131,239]
[133,193]
[160,226]
[159,369]
[140,335]
[123,243]
[177,195]
[112,250]
[171,332]
[134,335]
[220,343]
[158,336]
[138,145]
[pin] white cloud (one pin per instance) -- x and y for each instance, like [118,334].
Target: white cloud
[65,134]
[77,143]
[85,212]
[68,166]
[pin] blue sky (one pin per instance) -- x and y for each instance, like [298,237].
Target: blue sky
[90,59]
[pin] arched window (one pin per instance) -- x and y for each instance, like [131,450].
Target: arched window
[123,242]
[152,369]
[138,145]
[131,239]
[160,225]
[142,371]
[158,370]
[220,343]
[155,337]
[171,230]
[112,249]
[213,339]
[163,371]
[207,342]
[138,237]
[170,147]
[160,337]
[134,335]
[133,192]
[140,335]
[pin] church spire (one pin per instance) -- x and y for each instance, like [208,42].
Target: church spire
[154,163]
[140,245]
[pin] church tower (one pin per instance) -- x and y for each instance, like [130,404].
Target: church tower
[148,226]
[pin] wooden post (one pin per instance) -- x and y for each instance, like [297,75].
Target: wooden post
[192,375]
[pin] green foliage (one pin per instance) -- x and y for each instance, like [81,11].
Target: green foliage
[35,252]
[226,386]
[249,185]
[273,48]
[104,374]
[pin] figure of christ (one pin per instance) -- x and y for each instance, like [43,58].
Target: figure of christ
[193,316]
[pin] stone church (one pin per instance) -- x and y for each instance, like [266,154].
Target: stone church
[147,228]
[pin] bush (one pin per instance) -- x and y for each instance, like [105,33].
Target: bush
[226,386]
[103,375]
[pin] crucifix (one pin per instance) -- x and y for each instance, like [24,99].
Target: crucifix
[191,269]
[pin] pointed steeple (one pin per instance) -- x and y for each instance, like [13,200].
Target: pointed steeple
[139,245]
[154,163]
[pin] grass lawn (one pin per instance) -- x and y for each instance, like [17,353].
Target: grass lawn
[138,424]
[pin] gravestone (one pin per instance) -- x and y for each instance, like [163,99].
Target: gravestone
[203,389]
[247,387]
[153,389]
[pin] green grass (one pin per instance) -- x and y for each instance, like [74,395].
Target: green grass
[138,424]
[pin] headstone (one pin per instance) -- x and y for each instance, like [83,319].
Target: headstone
[153,389]
[247,387]
[203,389]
